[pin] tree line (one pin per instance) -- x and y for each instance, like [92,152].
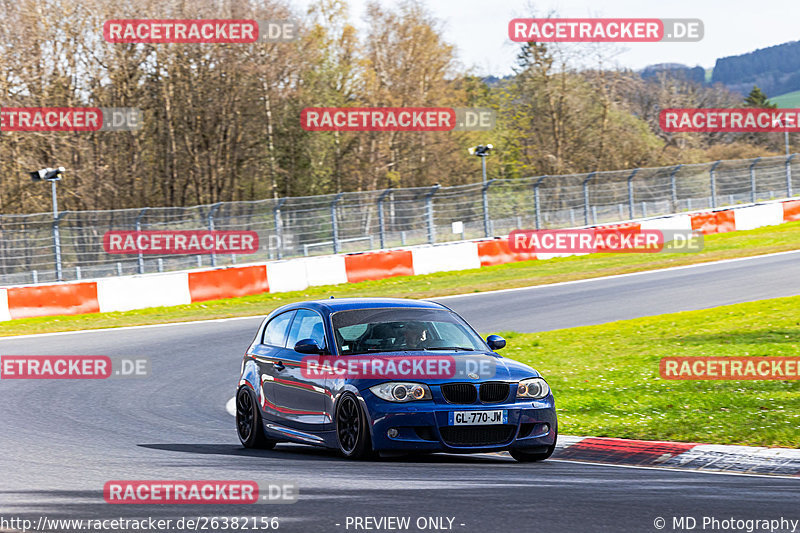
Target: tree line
[221,122]
[776,69]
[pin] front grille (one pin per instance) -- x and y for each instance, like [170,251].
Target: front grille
[459,392]
[477,435]
[494,392]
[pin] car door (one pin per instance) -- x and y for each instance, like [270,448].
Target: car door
[268,354]
[301,400]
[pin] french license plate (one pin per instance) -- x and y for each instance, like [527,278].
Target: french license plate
[478,418]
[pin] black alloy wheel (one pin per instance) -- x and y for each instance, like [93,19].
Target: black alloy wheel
[248,421]
[351,429]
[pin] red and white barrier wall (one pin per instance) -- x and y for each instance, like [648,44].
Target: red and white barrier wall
[178,288]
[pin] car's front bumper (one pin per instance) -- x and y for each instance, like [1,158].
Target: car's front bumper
[425,426]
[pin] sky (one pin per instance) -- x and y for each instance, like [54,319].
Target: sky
[479,28]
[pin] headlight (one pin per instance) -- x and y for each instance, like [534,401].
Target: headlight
[534,388]
[401,392]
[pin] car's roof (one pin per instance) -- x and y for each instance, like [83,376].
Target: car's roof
[332,305]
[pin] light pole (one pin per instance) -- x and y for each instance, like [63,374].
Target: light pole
[482,151]
[52,175]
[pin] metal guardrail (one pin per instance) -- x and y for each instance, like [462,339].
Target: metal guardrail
[35,248]
[308,246]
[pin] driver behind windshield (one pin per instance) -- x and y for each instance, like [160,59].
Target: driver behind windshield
[414,335]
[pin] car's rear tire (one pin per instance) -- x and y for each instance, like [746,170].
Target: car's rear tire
[248,421]
[526,457]
[352,433]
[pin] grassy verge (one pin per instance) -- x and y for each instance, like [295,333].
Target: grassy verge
[607,383]
[724,246]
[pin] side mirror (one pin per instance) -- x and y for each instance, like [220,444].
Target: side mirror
[308,346]
[495,342]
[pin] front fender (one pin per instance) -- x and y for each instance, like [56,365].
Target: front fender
[348,387]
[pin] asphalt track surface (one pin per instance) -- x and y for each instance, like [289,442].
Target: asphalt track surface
[62,440]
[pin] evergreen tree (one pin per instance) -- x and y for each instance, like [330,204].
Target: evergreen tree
[758,99]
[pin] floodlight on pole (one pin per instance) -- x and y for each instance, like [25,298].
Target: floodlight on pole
[52,175]
[482,150]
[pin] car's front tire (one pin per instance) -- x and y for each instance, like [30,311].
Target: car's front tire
[527,457]
[352,431]
[248,421]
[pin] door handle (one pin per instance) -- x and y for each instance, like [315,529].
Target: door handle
[278,365]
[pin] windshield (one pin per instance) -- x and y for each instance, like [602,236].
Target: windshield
[402,329]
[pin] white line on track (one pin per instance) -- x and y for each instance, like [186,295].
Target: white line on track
[615,276]
[106,330]
[230,407]
[685,470]
[469,294]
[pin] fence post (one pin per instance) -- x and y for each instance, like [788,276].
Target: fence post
[753,179]
[630,192]
[485,195]
[381,217]
[211,212]
[789,175]
[713,184]
[429,212]
[586,197]
[335,223]
[138,225]
[276,215]
[57,246]
[674,188]
[537,205]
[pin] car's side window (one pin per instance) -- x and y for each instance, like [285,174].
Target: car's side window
[275,332]
[307,325]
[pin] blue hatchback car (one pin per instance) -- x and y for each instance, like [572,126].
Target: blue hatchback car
[382,375]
